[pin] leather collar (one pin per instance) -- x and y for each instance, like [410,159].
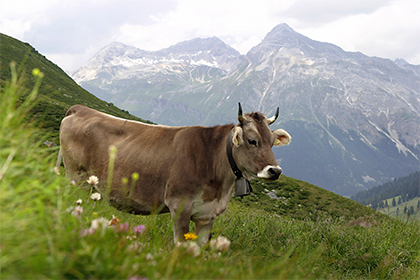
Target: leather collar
[233,165]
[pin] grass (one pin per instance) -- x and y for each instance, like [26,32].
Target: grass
[398,210]
[43,238]
[57,92]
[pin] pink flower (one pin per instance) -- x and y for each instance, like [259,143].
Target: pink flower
[140,229]
[77,212]
[124,227]
[88,231]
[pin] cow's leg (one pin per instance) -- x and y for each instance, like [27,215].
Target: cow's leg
[203,231]
[181,216]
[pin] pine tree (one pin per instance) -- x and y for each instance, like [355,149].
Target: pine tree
[410,211]
[393,202]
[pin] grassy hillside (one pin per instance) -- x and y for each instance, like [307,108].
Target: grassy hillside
[57,92]
[301,200]
[45,234]
[407,188]
[402,210]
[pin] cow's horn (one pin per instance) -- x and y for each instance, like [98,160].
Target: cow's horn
[240,116]
[273,118]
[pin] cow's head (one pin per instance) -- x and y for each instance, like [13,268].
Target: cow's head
[252,141]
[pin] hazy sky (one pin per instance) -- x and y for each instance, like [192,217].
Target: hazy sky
[70,32]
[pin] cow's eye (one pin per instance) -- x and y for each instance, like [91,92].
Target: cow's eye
[252,142]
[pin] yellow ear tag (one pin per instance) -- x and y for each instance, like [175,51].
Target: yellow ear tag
[277,142]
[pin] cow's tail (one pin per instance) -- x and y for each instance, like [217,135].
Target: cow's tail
[59,161]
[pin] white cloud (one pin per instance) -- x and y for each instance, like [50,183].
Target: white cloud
[390,32]
[15,28]
[70,32]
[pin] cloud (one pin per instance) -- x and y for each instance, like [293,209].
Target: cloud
[318,12]
[70,32]
[241,24]
[18,27]
[388,31]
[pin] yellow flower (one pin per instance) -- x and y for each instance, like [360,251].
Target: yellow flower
[190,236]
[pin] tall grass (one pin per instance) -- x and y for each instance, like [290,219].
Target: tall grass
[46,235]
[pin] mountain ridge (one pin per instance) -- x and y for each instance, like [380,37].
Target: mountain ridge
[356,115]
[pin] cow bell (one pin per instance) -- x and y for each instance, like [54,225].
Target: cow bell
[242,187]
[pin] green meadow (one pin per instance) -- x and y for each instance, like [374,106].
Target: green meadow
[51,228]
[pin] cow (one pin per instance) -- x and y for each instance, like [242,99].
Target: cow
[189,171]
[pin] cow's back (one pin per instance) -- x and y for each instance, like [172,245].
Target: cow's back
[162,156]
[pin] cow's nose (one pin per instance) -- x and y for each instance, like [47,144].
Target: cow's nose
[270,172]
[274,172]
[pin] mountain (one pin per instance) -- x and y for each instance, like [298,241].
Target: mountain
[143,81]
[57,92]
[354,119]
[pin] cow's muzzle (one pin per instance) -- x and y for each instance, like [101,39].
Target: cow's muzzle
[270,172]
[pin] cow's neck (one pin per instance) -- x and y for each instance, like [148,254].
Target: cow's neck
[242,185]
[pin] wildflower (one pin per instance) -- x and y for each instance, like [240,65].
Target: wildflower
[124,227]
[135,247]
[73,182]
[131,237]
[100,223]
[190,236]
[192,248]
[95,196]
[77,212]
[88,231]
[149,257]
[93,180]
[56,170]
[114,221]
[220,244]
[79,201]
[140,229]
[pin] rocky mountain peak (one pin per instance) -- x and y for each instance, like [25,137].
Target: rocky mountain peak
[281,33]
[354,118]
[284,38]
[207,49]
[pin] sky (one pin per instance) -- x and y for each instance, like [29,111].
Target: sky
[69,33]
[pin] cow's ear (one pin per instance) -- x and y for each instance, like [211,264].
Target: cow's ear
[282,137]
[237,136]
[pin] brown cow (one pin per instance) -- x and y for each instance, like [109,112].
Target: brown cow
[187,171]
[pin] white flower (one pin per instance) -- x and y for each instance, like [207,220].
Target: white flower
[56,170]
[192,248]
[96,196]
[77,212]
[220,244]
[93,180]
[149,257]
[79,201]
[100,223]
